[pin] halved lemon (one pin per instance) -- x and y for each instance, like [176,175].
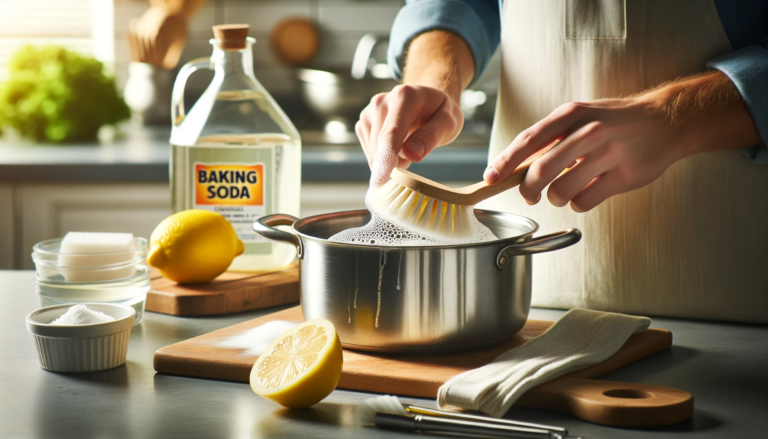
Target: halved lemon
[301,367]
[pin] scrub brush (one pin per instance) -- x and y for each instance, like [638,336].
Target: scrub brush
[387,412]
[437,210]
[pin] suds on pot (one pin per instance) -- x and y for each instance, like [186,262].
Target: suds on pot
[380,231]
[383,232]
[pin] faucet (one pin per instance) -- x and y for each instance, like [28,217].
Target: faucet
[363,54]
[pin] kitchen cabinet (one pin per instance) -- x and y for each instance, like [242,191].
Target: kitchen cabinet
[47,211]
[121,185]
[6,226]
[33,212]
[317,198]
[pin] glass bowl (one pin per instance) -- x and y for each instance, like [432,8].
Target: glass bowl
[130,291]
[118,278]
[51,264]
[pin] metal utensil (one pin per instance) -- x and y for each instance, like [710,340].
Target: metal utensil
[435,423]
[562,432]
[341,94]
[362,55]
[334,94]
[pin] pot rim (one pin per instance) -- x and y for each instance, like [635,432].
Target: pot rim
[513,239]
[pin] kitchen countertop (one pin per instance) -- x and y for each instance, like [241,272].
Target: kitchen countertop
[140,154]
[722,365]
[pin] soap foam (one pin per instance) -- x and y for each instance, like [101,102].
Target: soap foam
[384,162]
[381,231]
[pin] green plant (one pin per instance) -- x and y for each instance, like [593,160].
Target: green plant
[56,95]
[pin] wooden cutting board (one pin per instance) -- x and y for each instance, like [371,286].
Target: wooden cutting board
[228,293]
[577,394]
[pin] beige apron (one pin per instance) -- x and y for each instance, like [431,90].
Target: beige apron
[692,244]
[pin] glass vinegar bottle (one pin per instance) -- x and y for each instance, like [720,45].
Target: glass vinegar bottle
[235,152]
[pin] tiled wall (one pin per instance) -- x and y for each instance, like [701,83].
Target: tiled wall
[342,23]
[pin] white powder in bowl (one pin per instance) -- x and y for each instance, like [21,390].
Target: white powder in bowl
[81,315]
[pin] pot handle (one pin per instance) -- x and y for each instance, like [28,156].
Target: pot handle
[264,227]
[542,244]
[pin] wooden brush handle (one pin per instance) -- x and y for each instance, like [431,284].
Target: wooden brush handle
[482,191]
[469,195]
[611,403]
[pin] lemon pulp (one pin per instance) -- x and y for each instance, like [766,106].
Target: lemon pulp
[301,367]
[292,355]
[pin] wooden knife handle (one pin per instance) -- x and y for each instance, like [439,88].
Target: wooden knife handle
[612,403]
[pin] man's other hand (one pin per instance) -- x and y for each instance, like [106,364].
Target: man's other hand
[613,146]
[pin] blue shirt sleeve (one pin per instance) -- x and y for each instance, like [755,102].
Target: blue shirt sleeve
[748,69]
[478,22]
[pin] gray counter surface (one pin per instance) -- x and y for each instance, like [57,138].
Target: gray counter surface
[722,365]
[140,154]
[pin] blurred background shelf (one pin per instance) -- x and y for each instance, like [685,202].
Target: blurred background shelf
[122,185]
[140,154]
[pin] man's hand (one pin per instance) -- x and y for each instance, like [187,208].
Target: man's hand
[406,124]
[610,147]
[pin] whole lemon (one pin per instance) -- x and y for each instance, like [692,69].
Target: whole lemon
[193,246]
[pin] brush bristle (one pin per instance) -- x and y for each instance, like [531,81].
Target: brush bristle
[366,410]
[430,216]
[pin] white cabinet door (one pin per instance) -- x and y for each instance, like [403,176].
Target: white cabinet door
[45,211]
[50,211]
[317,198]
[7,233]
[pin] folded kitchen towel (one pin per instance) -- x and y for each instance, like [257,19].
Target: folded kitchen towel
[579,339]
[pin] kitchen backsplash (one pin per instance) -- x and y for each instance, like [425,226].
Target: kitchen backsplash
[341,22]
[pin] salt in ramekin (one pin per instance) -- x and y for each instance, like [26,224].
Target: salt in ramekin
[81,348]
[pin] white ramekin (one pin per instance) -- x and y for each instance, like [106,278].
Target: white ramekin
[81,348]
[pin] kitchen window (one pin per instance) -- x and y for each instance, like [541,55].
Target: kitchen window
[85,26]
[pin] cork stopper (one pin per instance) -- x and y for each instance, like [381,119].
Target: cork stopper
[231,36]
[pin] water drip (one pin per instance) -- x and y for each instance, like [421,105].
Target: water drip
[382,263]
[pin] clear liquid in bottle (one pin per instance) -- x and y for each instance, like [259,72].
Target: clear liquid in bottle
[236,153]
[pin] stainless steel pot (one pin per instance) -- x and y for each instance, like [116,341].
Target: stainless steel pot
[418,300]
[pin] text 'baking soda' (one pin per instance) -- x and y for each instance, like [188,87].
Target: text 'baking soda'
[229,184]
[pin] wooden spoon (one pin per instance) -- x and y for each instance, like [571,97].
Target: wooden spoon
[159,36]
[171,39]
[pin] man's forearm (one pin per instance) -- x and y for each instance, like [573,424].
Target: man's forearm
[441,60]
[708,111]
